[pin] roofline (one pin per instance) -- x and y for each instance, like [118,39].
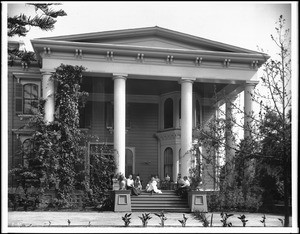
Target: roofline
[146,31]
[67,45]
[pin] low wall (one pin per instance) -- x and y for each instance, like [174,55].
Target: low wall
[197,201]
[122,200]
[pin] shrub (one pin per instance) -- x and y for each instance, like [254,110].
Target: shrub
[183,221]
[201,216]
[233,199]
[126,218]
[162,217]
[145,217]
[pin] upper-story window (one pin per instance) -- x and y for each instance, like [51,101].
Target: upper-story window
[27,95]
[30,98]
[168,113]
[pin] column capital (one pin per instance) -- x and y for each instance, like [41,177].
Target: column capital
[251,83]
[119,76]
[186,79]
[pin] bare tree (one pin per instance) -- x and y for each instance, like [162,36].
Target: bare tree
[270,142]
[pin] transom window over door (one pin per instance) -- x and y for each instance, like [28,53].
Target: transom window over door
[129,162]
[168,162]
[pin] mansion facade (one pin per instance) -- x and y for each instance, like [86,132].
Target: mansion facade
[149,89]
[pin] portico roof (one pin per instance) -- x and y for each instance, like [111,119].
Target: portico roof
[149,40]
[135,36]
[151,53]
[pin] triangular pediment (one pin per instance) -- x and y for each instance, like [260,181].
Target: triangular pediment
[154,42]
[152,37]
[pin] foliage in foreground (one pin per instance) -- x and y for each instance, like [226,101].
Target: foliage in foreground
[201,216]
[56,157]
[126,218]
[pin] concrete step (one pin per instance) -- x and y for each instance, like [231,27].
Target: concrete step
[167,201]
[158,209]
[172,201]
[158,205]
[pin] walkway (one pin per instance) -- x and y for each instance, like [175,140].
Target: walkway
[49,221]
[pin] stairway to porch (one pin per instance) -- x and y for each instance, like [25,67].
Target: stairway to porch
[167,201]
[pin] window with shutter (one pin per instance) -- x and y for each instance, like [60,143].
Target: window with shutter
[19,98]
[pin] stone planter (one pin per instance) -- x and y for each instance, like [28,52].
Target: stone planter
[122,200]
[197,201]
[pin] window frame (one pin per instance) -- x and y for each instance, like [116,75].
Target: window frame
[22,79]
[30,109]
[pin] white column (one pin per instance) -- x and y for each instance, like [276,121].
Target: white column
[176,161]
[186,124]
[120,120]
[249,88]
[230,144]
[48,96]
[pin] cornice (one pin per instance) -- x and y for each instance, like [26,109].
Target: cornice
[97,47]
[143,54]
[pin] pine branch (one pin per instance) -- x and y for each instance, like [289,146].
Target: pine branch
[16,25]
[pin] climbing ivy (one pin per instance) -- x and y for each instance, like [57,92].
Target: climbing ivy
[56,158]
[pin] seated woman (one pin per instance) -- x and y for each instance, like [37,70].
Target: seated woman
[180,181]
[167,178]
[138,185]
[158,182]
[130,186]
[122,182]
[129,182]
[152,186]
[184,187]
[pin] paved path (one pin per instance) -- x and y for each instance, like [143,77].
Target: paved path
[103,221]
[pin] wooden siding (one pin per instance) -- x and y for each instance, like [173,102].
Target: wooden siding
[144,124]
[98,127]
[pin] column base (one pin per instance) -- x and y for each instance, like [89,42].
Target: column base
[197,201]
[122,200]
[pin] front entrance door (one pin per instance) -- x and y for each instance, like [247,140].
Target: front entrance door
[129,161]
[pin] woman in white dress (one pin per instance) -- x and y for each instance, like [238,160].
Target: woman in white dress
[130,186]
[152,186]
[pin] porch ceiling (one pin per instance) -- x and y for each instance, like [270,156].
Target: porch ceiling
[151,87]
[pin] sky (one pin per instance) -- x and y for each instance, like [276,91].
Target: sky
[243,24]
